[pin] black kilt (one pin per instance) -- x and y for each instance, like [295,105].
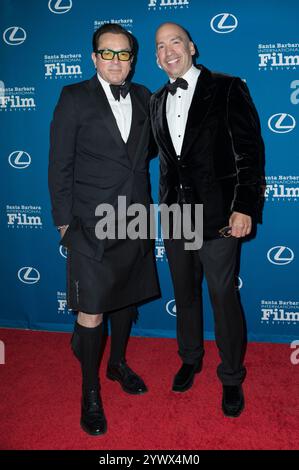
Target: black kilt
[123,276]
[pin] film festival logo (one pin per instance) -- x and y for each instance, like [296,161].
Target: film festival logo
[60,66]
[24,217]
[19,159]
[59,7]
[154,5]
[281,188]
[62,304]
[279,312]
[126,23]
[278,56]
[160,252]
[224,23]
[17,98]
[134,221]
[14,36]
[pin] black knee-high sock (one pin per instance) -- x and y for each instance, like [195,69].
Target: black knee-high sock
[121,322]
[86,345]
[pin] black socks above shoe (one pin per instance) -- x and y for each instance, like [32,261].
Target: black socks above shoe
[121,322]
[86,345]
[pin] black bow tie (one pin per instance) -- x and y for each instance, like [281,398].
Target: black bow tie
[122,90]
[179,83]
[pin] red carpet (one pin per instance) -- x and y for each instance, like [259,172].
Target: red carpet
[40,394]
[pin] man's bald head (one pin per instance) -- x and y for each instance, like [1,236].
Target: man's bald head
[174,49]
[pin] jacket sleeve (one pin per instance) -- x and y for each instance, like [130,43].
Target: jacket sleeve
[248,148]
[62,157]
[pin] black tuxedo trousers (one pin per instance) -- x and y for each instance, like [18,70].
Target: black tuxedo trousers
[216,260]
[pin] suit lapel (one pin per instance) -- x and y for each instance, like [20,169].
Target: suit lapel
[160,124]
[105,112]
[139,125]
[201,102]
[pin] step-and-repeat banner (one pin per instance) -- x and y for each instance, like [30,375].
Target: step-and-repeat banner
[46,44]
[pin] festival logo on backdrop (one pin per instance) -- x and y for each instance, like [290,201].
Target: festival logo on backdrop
[281,123]
[14,36]
[280,255]
[159,5]
[58,66]
[282,188]
[24,216]
[59,7]
[160,250]
[17,99]
[126,23]
[171,307]
[224,23]
[62,304]
[278,56]
[279,312]
[19,159]
[28,275]
[63,251]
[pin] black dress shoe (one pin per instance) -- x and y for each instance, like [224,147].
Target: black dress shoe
[128,379]
[93,420]
[232,400]
[183,380]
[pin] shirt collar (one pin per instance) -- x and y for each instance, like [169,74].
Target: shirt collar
[191,76]
[106,86]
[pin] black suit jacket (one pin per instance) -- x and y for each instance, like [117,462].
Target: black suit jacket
[89,162]
[221,162]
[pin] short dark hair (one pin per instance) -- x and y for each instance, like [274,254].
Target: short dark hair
[113,28]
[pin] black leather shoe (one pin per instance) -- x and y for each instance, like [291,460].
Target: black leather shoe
[93,420]
[128,379]
[183,380]
[232,400]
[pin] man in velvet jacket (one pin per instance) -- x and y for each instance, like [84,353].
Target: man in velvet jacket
[211,153]
[100,145]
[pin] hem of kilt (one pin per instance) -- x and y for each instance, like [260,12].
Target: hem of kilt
[111,307]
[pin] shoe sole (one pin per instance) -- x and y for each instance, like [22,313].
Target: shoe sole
[100,433]
[116,379]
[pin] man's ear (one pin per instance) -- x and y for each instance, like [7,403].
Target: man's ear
[94,59]
[158,62]
[192,48]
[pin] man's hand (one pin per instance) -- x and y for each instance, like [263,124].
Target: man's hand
[240,224]
[63,229]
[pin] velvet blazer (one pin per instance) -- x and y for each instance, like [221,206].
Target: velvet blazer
[222,157]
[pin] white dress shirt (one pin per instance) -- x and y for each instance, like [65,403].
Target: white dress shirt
[122,109]
[177,108]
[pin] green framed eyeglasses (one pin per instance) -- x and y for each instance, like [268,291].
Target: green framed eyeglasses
[109,54]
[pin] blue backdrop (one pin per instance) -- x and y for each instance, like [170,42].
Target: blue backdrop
[45,45]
